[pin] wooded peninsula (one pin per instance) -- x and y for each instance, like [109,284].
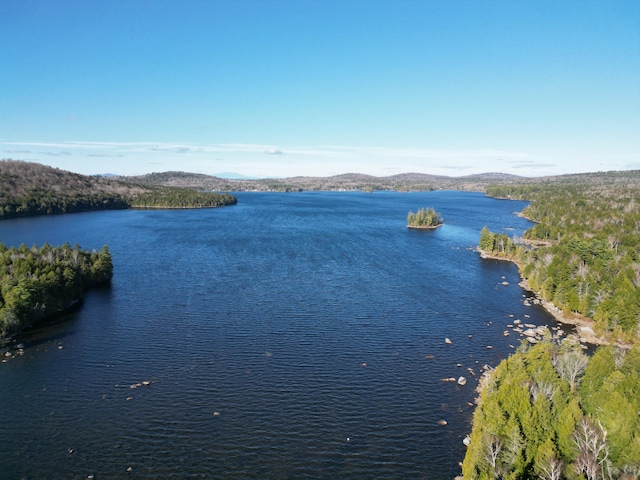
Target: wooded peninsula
[28,189]
[38,282]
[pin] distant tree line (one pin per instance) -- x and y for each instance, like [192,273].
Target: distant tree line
[583,254]
[181,198]
[38,282]
[551,412]
[49,203]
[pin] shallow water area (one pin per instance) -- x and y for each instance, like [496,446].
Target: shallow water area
[296,335]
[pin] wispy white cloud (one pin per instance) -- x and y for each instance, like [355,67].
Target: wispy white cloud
[340,151]
[530,165]
[171,149]
[130,158]
[104,155]
[57,154]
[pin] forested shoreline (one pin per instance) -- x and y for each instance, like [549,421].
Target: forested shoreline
[38,282]
[181,198]
[583,253]
[550,411]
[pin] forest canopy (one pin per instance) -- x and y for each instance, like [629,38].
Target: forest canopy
[38,282]
[583,253]
[551,412]
[181,198]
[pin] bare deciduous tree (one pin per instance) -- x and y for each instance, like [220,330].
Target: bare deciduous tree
[551,469]
[542,388]
[570,365]
[494,444]
[593,458]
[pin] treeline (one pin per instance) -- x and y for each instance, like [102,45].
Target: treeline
[551,412]
[425,217]
[181,198]
[500,245]
[583,254]
[49,203]
[28,189]
[38,282]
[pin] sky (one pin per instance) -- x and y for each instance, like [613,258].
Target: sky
[280,88]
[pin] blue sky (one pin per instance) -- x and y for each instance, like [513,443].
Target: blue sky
[277,88]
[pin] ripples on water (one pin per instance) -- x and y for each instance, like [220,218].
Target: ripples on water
[290,336]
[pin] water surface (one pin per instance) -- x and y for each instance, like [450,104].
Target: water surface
[291,336]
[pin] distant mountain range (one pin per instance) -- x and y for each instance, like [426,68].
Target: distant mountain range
[347,181]
[20,180]
[233,176]
[362,182]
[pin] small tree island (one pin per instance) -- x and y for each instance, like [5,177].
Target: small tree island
[424,218]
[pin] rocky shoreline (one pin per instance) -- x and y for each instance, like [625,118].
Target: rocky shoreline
[584,326]
[425,227]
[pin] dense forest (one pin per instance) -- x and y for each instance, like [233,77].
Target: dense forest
[424,218]
[38,282]
[551,412]
[583,254]
[181,198]
[32,189]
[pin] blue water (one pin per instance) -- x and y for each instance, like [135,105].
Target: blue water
[295,335]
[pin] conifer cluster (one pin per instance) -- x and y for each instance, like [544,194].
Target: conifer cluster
[551,412]
[425,218]
[37,282]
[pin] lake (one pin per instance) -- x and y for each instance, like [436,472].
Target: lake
[297,335]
